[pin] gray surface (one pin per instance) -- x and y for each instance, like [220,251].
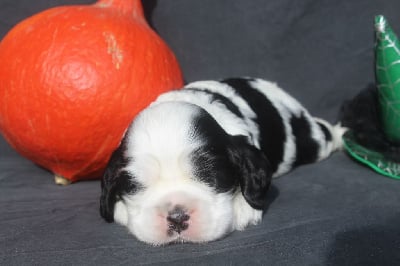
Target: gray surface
[332,213]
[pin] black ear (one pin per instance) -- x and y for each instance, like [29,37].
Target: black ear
[113,186]
[254,172]
[115,183]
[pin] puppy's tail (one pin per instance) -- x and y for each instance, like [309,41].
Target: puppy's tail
[337,133]
[333,136]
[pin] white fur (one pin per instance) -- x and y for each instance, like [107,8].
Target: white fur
[145,213]
[244,214]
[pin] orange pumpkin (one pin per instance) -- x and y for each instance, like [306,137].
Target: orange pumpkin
[72,78]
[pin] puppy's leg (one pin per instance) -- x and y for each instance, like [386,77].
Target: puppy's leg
[244,214]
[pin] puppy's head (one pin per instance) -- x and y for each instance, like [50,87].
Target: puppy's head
[178,176]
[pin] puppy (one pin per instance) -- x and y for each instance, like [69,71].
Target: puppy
[198,162]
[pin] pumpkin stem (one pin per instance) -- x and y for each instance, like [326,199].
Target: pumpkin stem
[133,7]
[59,180]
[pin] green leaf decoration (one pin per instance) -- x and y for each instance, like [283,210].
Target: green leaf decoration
[371,158]
[387,70]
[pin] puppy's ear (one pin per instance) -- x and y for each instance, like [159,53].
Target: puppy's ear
[254,172]
[115,183]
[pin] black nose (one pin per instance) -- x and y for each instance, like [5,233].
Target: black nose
[177,219]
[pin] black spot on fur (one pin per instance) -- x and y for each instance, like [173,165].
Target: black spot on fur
[217,97]
[211,160]
[325,130]
[272,131]
[226,162]
[306,147]
[115,183]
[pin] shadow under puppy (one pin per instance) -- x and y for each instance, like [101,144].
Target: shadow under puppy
[197,163]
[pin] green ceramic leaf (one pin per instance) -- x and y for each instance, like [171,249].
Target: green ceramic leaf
[387,57]
[370,158]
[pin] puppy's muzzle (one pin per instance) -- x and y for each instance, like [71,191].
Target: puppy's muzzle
[177,220]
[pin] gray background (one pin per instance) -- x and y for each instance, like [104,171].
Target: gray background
[336,212]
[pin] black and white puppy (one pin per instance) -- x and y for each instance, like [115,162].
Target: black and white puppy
[198,162]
